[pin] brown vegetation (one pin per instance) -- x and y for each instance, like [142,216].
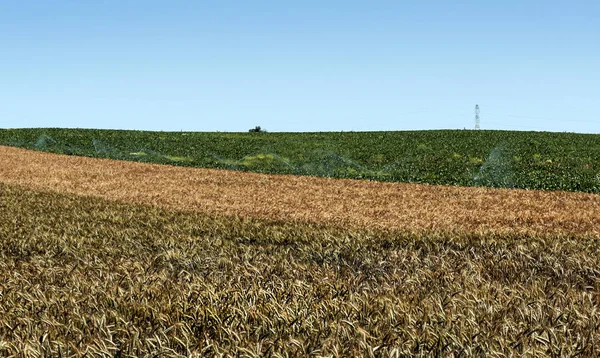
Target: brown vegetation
[86,276]
[345,203]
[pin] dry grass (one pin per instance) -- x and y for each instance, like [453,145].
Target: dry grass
[344,203]
[88,276]
[184,262]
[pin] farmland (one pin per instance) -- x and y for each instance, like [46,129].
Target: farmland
[86,275]
[526,160]
[101,257]
[341,202]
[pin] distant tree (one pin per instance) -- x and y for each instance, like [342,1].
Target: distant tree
[257,129]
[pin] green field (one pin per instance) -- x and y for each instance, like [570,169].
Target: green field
[528,160]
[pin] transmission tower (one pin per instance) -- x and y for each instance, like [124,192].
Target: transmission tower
[476,116]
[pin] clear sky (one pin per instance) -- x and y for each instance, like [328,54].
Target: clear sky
[229,65]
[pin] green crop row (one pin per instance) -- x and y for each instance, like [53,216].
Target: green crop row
[527,160]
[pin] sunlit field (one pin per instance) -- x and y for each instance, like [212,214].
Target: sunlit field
[85,275]
[106,257]
[505,159]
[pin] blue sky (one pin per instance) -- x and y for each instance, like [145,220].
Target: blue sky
[308,65]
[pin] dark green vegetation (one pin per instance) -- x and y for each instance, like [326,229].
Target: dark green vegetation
[83,275]
[528,160]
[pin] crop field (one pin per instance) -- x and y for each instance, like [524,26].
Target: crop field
[338,202]
[83,275]
[526,160]
[112,258]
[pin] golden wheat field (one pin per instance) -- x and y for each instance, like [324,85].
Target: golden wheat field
[346,203]
[118,259]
